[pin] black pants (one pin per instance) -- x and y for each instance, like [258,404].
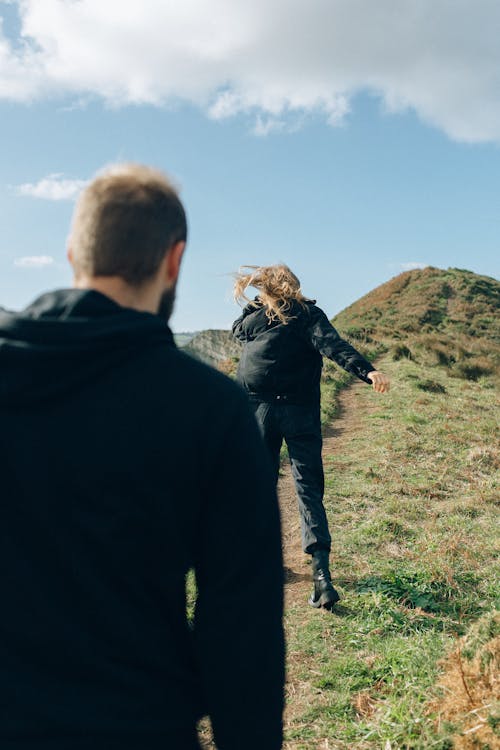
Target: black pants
[300,428]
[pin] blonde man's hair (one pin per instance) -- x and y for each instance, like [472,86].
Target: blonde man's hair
[278,288]
[124,223]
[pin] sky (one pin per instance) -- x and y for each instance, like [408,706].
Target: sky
[350,139]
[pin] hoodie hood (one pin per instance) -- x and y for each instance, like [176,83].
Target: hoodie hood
[66,338]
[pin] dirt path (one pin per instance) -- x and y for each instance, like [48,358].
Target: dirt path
[335,438]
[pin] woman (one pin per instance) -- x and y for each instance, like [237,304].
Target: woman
[284,337]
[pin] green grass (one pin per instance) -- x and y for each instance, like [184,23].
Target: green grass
[411,502]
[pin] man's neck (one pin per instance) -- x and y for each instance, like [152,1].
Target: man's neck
[144,298]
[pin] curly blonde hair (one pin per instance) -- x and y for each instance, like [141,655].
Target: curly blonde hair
[278,288]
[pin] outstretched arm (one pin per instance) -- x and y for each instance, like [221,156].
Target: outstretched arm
[326,339]
[238,621]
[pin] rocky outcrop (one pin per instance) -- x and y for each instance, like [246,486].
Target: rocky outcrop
[214,347]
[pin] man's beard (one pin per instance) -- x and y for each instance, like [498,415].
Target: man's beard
[167,303]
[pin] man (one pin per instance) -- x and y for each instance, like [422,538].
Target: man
[125,463]
[284,337]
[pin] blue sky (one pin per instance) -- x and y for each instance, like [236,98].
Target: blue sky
[349,184]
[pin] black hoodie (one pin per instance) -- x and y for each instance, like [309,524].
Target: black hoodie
[124,463]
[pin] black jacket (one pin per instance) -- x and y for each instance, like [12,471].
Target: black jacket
[124,463]
[286,359]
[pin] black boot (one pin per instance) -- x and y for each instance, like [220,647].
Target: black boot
[323,595]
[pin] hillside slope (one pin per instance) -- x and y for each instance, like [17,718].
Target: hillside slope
[427,300]
[449,318]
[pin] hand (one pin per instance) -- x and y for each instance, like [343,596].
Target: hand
[381,382]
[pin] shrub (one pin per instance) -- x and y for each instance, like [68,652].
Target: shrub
[430,386]
[360,334]
[401,351]
[472,371]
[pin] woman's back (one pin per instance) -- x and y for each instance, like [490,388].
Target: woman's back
[279,359]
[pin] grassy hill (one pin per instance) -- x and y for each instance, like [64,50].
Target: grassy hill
[449,318]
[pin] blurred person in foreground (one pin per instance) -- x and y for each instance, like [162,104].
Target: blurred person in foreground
[120,472]
[285,337]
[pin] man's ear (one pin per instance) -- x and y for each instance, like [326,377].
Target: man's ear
[173,262]
[69,255]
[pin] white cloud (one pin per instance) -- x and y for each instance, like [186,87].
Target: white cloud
[34,261]
[412,265]
[273,59]
[55,187]
[265,125]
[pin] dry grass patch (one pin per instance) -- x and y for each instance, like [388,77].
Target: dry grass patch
[471,688]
